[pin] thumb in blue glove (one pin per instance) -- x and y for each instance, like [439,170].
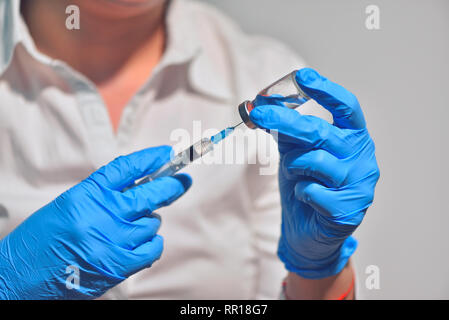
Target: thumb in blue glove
[327,177]
[94,228]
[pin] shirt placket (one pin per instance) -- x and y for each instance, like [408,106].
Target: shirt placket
[127,124]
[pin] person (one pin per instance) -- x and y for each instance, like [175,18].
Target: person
[132,74]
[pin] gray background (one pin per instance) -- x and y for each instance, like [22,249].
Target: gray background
[399,73]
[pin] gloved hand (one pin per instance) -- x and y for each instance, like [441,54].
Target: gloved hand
[94,228]
[327,177]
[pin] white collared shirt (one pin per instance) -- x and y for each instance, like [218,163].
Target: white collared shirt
[221,237]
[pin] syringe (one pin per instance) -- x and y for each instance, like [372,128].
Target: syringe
[285,92]
[184,158]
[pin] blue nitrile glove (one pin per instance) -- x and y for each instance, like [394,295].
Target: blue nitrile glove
[327,177]
[92,229]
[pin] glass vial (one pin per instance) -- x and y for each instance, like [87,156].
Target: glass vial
[284,91]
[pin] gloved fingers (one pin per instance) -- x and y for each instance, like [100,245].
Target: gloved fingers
[345,206]
[124,170]
[306,132]
[318,164]
[343,105]
[269,100]
[145,255]
[140,231]
[154,194]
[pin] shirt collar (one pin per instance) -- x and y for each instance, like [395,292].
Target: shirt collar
[185,45]
[187,41]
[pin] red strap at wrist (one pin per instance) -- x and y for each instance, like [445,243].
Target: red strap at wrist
[345,295]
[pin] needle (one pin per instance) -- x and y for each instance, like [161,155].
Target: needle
[237,125]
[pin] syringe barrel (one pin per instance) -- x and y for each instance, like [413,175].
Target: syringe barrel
[181,160]
[285,90]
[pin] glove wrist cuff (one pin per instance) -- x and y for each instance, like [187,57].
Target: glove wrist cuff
[319,268]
